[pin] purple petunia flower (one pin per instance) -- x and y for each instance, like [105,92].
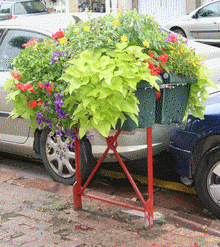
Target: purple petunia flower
[73,135]
[56,54]
[167,41]
[71,145]
[66,132]
[40,114]
[38,120]
[59,96]
[59,133]
[58,103]
[61,115]
[47,84]
[52,60]
[160,30]
[185,41]
[88,136]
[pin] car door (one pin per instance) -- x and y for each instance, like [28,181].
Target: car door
[12,130]
[206,22]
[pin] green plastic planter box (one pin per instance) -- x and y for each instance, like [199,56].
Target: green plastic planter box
[146,117]
[171,106]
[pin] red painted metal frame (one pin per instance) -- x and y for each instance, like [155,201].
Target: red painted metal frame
[78,191]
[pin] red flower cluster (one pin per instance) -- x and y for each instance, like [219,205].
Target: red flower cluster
[33,42]
[41,85]
[34,104]
[154,70]
[161,59]
[24,86]
[58,35]
[49,90]
[16,75]
[172,38]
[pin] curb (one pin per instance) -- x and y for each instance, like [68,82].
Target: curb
[192,225]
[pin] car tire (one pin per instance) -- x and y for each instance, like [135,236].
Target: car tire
[207,182]
[59,158]
[179,31]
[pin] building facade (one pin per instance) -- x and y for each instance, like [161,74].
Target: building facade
[162,10]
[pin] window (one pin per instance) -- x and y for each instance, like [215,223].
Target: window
[11,46]
[211,10]
[5,8]
[23,8]
[92,5]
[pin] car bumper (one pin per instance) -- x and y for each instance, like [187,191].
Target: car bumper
[181,147]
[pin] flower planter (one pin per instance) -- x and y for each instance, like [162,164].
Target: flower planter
[147,99]
[171,106]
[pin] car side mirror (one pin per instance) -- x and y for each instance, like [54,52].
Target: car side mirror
[195,16]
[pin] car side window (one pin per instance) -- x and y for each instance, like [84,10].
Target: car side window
[11,46]
[1,32]
[211,10]
[29,7]
[5,8]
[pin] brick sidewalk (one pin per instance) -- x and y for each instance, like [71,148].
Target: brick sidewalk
[36,212]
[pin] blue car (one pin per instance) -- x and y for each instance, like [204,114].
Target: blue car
[196,151]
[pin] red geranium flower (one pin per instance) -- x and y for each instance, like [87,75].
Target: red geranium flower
[15,74]
[41,85]
[33,42]
[150,54]
[59,34]
[150,65]
[172,38]
[163,58]
[32,104]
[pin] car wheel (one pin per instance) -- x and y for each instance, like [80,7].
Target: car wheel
[179,31]
[59,158]
[207,182]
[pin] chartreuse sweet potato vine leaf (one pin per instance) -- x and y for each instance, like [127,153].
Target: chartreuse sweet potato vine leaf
[103,84]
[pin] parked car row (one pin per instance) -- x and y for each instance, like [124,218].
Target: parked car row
[197,159]
[203,24]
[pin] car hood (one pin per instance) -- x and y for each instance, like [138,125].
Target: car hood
[180,21]
[206,51]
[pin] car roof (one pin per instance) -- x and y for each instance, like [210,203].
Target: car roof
[46,24]
[49,23]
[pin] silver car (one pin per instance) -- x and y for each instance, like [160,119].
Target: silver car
[16,136]
[203,24]
[12,9]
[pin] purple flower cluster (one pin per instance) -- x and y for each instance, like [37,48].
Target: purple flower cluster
[66,132]
[167,40]
[56,56]
[58,104]
[185,41]
[40,118]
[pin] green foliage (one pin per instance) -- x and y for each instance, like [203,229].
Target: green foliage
[86,77]
[104,83]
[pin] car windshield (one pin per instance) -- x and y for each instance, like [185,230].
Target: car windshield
[29,7]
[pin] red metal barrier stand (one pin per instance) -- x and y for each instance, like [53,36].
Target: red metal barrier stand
[78,192]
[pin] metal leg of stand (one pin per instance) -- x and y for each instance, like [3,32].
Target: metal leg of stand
[77,202]
[149,203]
[78,192]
